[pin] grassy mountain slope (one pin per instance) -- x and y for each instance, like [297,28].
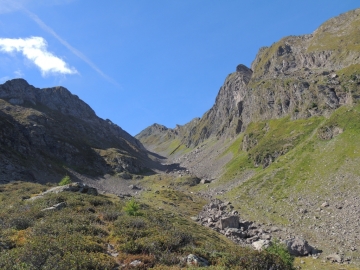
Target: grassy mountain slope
[96,232]
[283,170]
[294,161]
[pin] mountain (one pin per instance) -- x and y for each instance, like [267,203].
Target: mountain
[275,160]
[47,133]
[281,141]
[298,76]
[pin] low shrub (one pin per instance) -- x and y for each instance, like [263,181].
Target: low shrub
[281,251]
[21,222]
[132,208]
[65,181]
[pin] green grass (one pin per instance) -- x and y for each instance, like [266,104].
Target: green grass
[65,181]
[304,169]
[268,139]
[77,236]
[266,56]
[347,39]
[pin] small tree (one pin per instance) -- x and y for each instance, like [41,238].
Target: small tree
[65,181]
[281,250]
[132,208]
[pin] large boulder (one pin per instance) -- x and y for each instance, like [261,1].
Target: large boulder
[261,244]
[299,247]
[228,222]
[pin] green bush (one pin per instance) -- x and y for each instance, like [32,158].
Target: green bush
[281,251]
[65,181]
[132,208]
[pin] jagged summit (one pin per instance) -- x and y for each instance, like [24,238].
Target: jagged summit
[247,72]
[18,91]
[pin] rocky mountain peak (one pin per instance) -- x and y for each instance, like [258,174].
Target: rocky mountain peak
[57,129]
[18,91]
[245,72]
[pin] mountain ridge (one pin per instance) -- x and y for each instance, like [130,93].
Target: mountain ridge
[60,131]
[295,76]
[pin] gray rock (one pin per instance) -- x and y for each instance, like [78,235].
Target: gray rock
[205,181]
[193,260]
[235,232]
[135,263]
[57,206]
[325,204]
[261,244]
[299,247]
[228,222]
[335,258]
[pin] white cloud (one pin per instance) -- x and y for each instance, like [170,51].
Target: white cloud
[35,49]
[7,6]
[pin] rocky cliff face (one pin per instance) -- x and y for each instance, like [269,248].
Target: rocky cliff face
[45,131]
[225,116]
[299,76]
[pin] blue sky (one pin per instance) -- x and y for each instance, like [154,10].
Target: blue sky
[139,62]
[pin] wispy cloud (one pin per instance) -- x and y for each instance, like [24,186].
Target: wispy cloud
[35,49]
[71,48]
[11,6]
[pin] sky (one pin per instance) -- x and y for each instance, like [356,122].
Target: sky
[139,62]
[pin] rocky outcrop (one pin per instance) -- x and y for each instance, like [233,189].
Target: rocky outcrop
[73,187]
[19,92]
[224,118]
[221,217]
